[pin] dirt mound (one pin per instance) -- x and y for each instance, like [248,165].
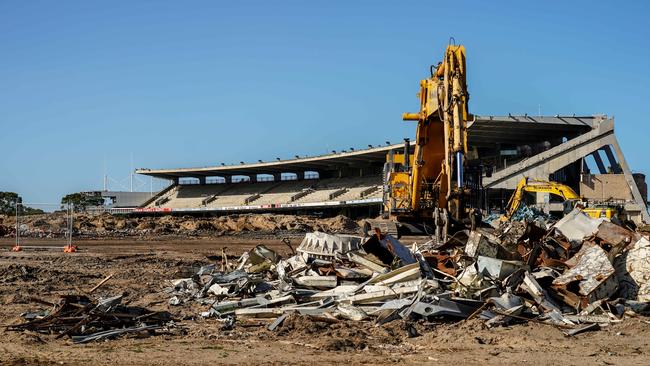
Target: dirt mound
[343,335]
[106,225]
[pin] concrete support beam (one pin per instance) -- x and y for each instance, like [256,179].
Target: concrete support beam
[638,199]
[542,165]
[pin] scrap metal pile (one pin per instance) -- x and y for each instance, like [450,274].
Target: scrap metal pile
[579,274]
[85,320]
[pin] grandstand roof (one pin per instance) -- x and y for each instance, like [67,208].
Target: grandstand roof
[314,163]
[482,131]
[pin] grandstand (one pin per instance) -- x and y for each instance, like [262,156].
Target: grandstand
[502,149]
[348,180]
[284,195]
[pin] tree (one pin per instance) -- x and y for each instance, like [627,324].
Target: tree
[82,200]
[8,205]
[8,202]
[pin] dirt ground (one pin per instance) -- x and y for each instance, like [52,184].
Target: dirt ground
[142,267]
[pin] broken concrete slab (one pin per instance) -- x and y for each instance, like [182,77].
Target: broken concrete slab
[592,278]
[325,246]
[633,271]
[577,226]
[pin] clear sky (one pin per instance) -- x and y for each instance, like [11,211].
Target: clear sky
[86,84]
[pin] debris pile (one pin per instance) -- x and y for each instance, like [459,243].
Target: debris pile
[85,320]
[579,274]
[107,225]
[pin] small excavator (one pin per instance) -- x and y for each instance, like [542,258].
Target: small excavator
[570,198]
[425,190]
[568,195]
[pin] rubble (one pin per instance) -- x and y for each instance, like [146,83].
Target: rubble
[591,278]
[633,271]
[85,320]
[570,275]
[556,273]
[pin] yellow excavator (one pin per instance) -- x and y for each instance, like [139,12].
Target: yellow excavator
[570,198]
[425,189]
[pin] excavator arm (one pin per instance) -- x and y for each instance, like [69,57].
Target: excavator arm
[441,137]
[426,187]
[529,185]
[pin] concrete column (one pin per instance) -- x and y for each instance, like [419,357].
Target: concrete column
[645,217]
[542,199]
[201,180]
[253,178]
[228,179]
[585,167]
[301,175]
[277,177]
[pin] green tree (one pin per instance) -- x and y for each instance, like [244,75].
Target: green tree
[8,205]
[82,200]
[8,202]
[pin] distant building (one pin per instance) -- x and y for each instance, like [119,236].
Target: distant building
[119,199]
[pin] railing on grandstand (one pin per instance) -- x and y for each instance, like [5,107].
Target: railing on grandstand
[219,180]
[111,210]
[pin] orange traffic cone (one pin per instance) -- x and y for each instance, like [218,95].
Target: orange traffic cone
[69,248]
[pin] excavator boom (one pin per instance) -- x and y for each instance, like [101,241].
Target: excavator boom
[429,184]
[441,135]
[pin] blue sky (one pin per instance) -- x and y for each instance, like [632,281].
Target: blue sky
[86,85]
